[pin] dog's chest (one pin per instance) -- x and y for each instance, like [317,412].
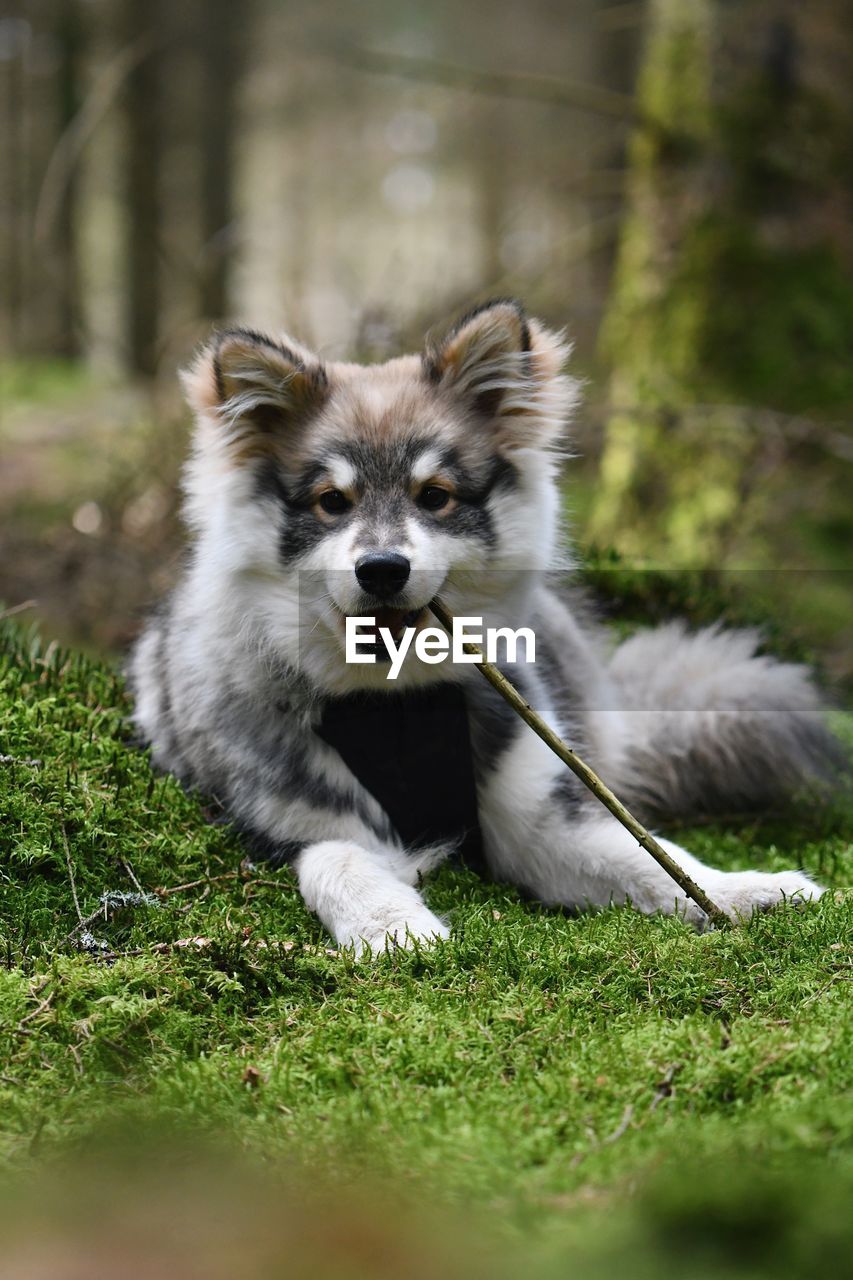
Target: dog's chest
[412,752]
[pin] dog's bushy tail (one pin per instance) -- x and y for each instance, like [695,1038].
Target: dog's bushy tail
[711,725]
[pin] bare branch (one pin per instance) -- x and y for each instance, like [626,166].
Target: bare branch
[792,429]
[17,608]
[502,84]
[68,149]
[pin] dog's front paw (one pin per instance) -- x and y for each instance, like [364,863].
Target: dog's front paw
[399,930]
[740,893]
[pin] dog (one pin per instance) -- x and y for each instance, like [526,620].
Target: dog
[321,492]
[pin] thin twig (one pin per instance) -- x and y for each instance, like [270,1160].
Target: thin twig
[87,921]
[242,874]
[587,776]
[502,84]
[34,1013]
[129,869]
[621,1128]
[195,884]
[664,1087]
[836,977]
[597,1144]
[200,943]
[17,608]
[791,429]
[71,877]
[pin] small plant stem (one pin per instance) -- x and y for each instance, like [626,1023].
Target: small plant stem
[587,776]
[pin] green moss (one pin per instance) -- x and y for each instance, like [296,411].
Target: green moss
[780,331]
[495,1068]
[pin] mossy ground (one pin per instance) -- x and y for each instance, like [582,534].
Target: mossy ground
[547,1073]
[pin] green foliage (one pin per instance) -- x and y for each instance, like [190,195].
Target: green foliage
[800,616]
[780,326]
[537,1061]
[649,596]
[732,289]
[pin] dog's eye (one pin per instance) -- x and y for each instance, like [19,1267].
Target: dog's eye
[334,502]
[433,497]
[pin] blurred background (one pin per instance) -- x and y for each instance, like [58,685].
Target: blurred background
[669,180]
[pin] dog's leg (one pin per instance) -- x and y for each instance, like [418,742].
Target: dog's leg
[297,800]
[544,832]
[595,861]
[366,899]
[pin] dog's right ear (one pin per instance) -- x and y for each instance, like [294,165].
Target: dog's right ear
[254,387]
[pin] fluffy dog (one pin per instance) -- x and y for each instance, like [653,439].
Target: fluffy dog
[318,492]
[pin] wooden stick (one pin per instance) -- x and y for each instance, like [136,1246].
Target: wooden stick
[587,776]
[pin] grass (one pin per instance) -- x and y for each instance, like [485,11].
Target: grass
[612,1085]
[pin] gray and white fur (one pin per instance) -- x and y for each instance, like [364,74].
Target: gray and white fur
[320,491]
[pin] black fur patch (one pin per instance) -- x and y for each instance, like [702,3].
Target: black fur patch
[269,484]
[494,724]
[470,522]
[471,517]
[300,527]
[276,853]
[300,531]
[412,752]
[478,488]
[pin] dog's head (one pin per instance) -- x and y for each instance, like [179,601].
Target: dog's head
[322,491]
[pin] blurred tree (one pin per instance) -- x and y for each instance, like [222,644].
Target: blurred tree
[734,284]
[40,50]
[493,181]
[69,29]
[615,49]
[15,37]
[222,32]
[143,196]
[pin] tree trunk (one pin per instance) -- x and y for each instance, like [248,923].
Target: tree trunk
[223,42]
[70,38]
[733,285]
[143,163]
[14,198]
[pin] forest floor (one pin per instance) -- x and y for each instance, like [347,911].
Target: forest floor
[607,1088]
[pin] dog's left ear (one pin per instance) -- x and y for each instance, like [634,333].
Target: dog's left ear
[507,369]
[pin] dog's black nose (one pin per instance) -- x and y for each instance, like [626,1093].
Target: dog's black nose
[382,573]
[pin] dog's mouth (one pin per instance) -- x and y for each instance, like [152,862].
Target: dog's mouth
[394,621]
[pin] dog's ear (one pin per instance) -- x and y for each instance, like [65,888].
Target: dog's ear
[507,369]
[253,388]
